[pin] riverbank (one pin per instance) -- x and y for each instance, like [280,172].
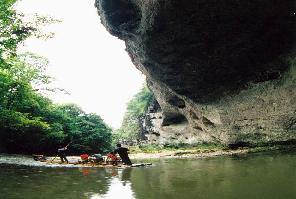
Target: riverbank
[138,156]
[207,153]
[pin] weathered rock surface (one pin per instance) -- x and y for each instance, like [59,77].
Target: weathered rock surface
[222,71]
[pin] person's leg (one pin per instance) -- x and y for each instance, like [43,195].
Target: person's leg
[126,161]
[61,157]
[66,159]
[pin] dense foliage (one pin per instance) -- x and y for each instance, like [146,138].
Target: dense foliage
[131,128]
[30,122]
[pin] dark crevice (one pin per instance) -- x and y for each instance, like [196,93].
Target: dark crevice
[173,119]
[207,122]
[176,101]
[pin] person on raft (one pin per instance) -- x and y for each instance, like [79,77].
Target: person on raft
[112,158]
[62,153]
[122,152]
[97,158]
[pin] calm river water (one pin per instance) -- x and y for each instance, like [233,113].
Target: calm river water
[260,176]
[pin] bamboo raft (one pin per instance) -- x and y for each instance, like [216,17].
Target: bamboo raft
[76,162]
[102,165]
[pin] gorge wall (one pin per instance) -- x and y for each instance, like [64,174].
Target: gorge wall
[221,71]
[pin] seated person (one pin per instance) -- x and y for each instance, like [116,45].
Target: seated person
[112,158]
[96,158]
[84,158]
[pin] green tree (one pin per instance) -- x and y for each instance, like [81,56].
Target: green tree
[29,121]
[20,105]
[88,131]
[131,127]
[12,31]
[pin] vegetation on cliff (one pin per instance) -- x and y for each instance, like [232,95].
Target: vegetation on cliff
[29,121]
[131,129]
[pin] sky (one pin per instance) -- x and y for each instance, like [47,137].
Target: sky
[85,59]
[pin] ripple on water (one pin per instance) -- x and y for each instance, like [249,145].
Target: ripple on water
[19,160]
[23,160]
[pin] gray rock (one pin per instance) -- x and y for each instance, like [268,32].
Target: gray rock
[221,71]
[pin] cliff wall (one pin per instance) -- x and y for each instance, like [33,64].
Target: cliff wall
[221,71]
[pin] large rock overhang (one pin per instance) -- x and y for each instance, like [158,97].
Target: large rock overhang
[197,53]
[204,49]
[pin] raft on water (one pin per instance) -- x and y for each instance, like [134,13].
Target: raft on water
[75,161]
[103,165]
[141,164]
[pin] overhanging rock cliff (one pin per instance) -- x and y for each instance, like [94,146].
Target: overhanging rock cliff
[222,71]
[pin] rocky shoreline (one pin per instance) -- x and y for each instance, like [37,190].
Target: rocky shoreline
[192,154]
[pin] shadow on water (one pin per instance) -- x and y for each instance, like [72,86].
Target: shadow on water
[258,176]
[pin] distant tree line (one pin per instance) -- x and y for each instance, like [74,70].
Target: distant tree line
[29,121]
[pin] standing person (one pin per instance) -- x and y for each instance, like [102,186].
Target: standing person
[62,153]
[122,152]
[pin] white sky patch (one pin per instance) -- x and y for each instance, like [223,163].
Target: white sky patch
[85,59]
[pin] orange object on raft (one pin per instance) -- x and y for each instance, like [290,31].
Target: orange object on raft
[84,156]
[112,157]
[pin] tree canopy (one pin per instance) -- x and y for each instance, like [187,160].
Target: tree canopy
[29,121]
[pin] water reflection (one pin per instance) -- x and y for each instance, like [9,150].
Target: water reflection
[119,185]
[61,183]
[117,189]
[262,176]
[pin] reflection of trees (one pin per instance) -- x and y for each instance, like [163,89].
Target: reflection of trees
[32,183]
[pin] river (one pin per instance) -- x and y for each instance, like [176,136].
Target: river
[256,176]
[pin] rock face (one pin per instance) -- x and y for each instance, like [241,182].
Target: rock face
[221,71]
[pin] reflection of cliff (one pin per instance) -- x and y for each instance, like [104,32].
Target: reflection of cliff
[223,178]
[166,181]
[221,71]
